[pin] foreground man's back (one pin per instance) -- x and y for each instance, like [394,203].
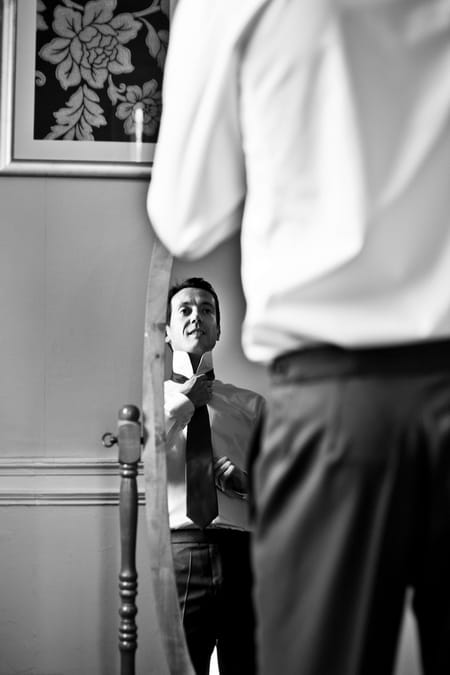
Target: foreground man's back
[331,121]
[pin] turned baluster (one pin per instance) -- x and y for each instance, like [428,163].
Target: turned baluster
[129,439]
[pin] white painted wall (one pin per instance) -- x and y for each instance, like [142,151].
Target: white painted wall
[74,260]
[73,271]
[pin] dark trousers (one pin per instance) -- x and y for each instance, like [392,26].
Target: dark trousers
[352,499]
[214,582]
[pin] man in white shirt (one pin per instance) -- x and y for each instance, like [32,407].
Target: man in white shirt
[321,130]
[211,553]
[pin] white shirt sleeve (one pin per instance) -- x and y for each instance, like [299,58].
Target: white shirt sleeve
[178,410]
[198,180]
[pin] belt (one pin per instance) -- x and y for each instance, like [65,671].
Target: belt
[331,361]
[208,536]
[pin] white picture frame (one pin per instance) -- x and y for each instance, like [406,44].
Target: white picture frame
[23,154]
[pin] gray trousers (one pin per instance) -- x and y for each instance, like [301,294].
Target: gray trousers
[351,489]
[214,583]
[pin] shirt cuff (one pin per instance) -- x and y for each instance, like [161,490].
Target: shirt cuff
[180,408]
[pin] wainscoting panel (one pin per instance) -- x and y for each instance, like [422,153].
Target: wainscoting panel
[61,481]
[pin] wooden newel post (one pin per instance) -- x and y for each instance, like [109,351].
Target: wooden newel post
[129,439]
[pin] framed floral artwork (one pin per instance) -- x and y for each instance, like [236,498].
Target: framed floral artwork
[81,85]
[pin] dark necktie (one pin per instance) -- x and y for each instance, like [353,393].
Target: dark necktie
[201,496]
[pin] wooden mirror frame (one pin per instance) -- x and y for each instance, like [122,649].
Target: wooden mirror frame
[177,661]
[155,471]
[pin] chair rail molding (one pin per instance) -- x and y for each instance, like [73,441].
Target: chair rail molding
[63,481]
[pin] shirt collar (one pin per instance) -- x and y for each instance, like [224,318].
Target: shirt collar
[181,363]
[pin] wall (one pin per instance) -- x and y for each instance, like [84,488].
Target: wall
[74,261]
[73,271]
